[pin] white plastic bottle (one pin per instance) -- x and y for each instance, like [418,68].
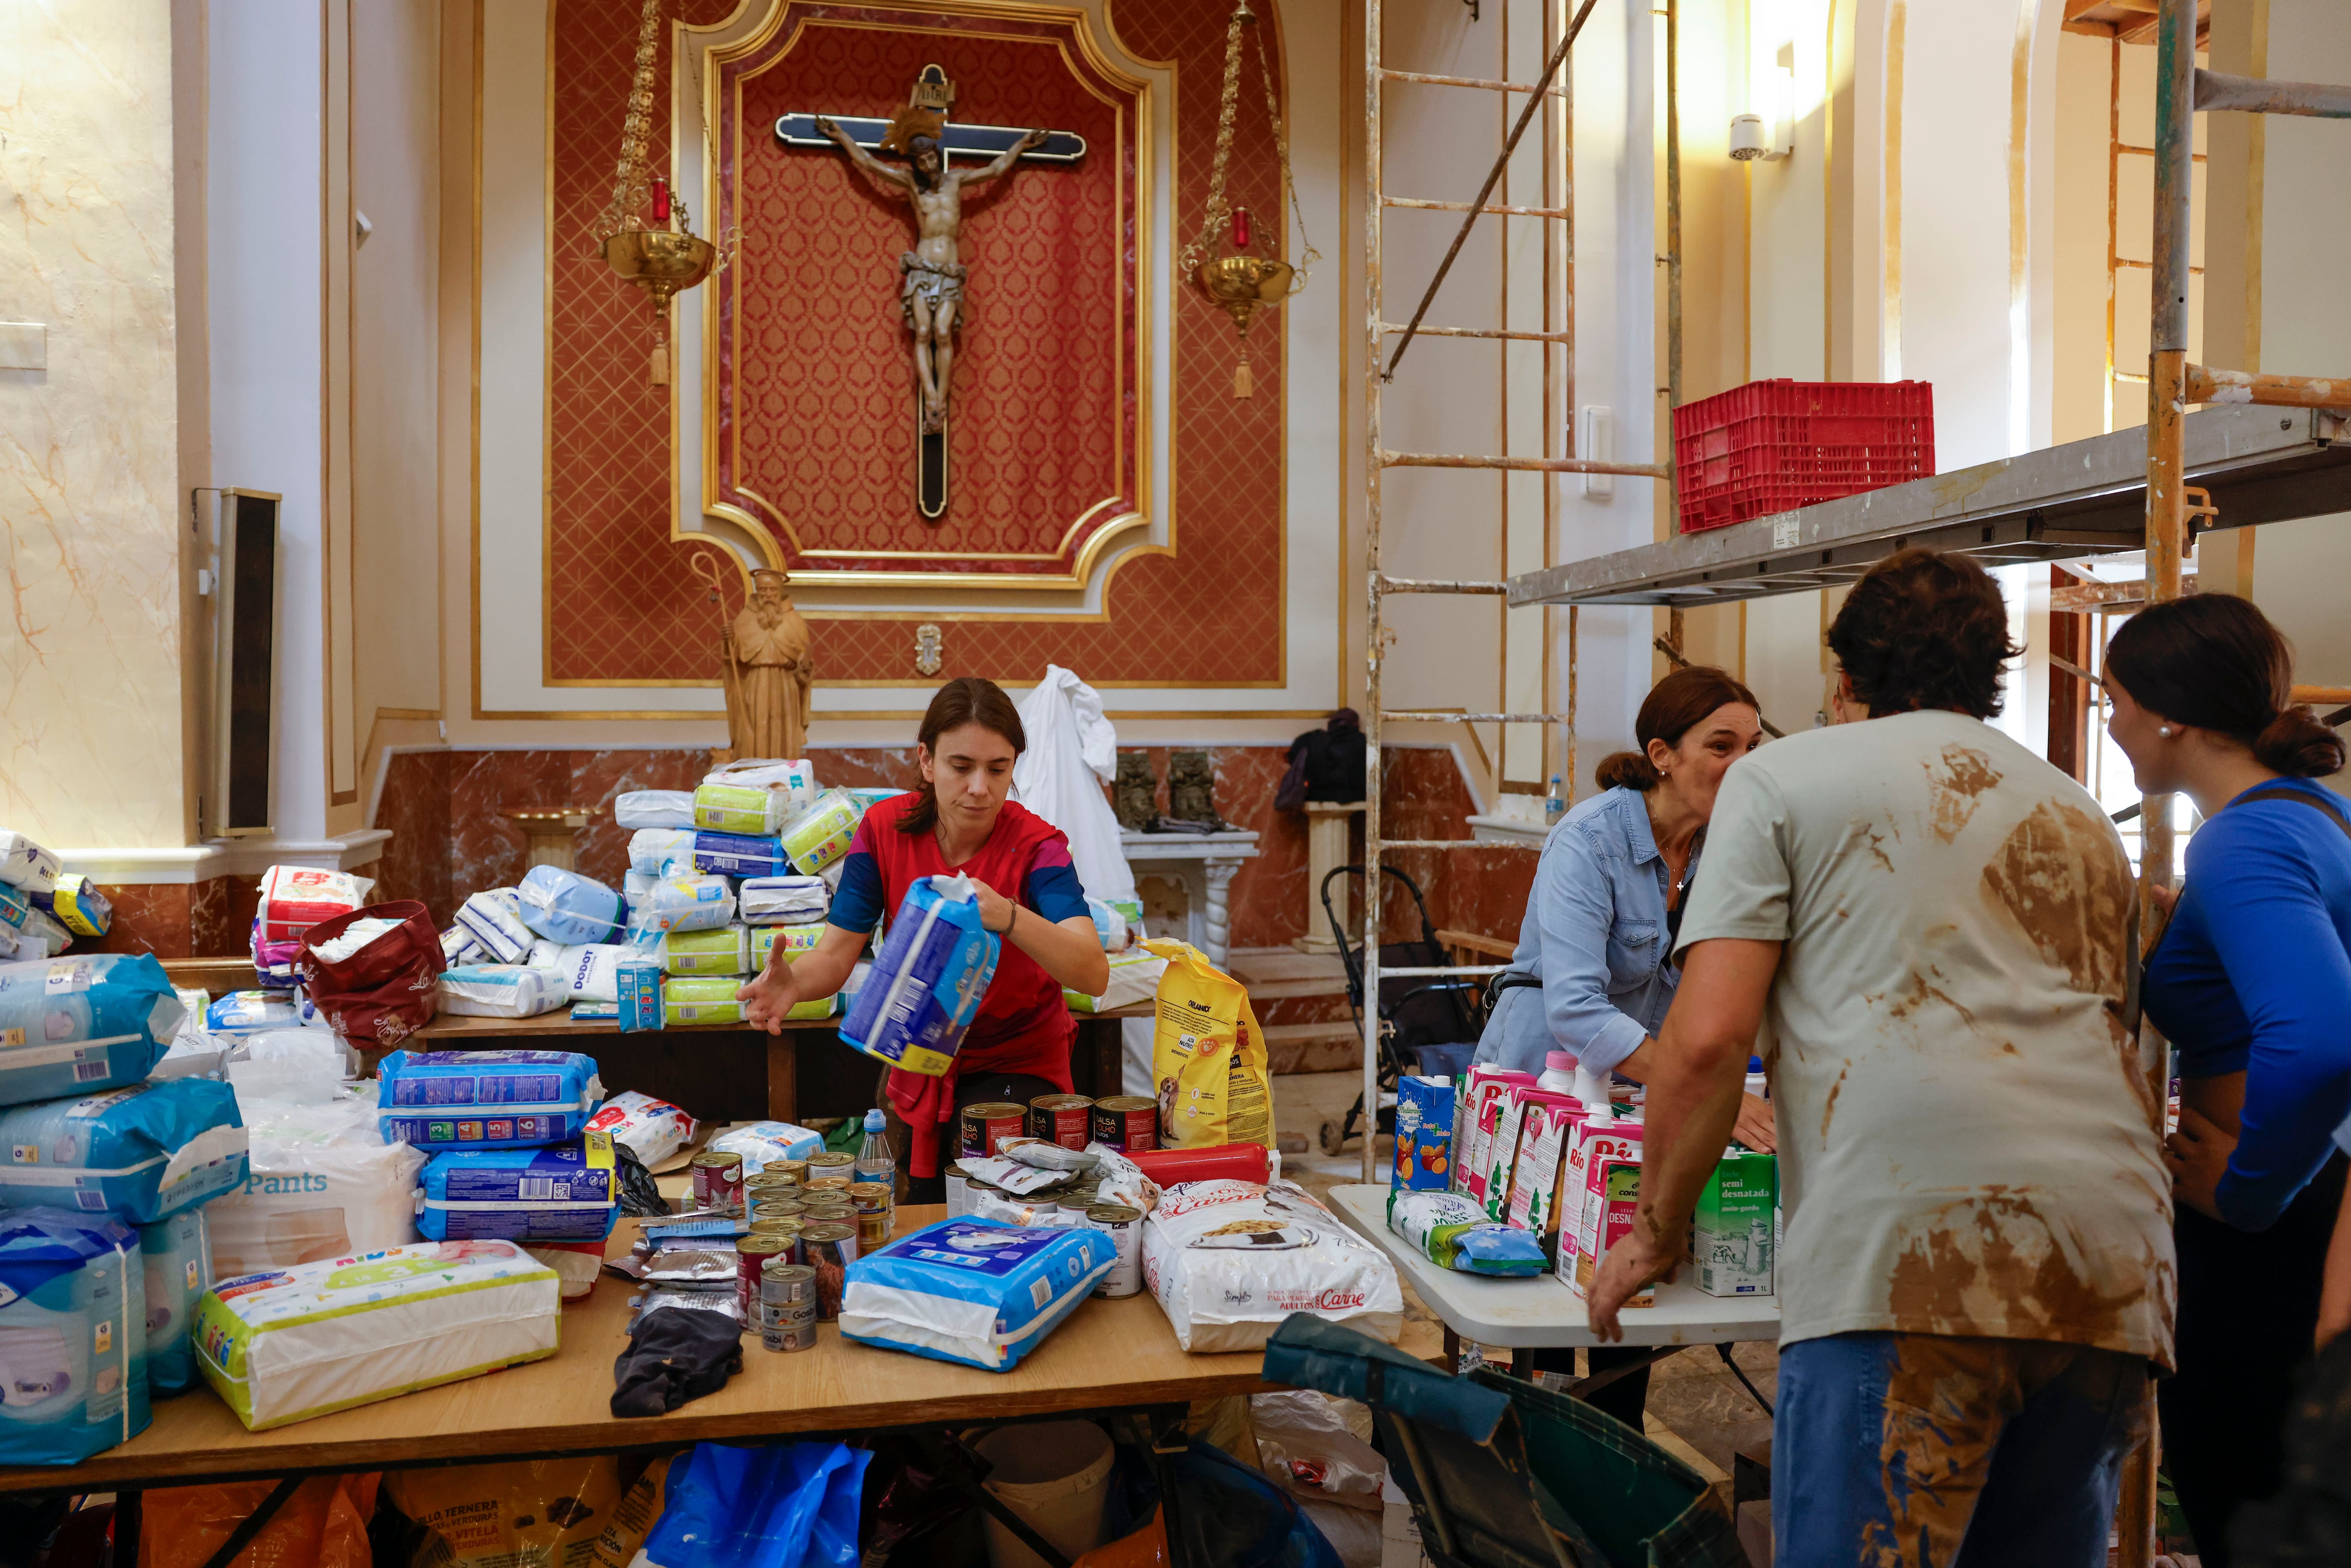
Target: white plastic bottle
[1559,1072]
[1591,1087]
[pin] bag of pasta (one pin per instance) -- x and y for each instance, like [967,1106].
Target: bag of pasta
[1208,1056]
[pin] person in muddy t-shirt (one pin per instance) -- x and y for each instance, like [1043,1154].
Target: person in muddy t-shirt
[1928,927]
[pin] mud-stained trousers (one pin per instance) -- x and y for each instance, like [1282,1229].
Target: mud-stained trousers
[1892,1450]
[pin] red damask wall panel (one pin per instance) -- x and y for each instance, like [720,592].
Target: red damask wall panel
[622,606]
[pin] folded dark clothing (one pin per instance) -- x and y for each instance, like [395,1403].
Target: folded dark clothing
[675,1355]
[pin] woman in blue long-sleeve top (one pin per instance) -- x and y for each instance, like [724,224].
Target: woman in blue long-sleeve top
[2251,983]
[1589,976]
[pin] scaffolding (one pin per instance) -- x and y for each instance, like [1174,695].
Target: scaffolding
[1378,458]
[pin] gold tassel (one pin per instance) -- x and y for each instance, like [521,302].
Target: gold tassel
[659,370]
[1244,380]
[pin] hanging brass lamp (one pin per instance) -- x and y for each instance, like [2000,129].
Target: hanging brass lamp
[1241,283]
[661,256]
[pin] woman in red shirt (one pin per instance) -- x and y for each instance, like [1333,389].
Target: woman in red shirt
[1018,1045]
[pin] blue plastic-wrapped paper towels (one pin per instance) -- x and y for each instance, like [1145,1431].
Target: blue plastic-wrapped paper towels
[971,1289]
[73,1336]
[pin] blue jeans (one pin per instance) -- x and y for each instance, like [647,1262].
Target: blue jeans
[1896,1450]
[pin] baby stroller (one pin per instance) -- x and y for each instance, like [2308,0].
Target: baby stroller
[1416,1012]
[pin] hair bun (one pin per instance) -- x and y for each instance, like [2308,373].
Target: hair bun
[1625,771]
[2296,745]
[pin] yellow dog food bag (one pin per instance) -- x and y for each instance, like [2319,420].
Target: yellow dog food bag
[1208,1056]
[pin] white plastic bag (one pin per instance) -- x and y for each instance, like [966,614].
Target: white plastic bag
[1072,753]
[297,1064]
[321,1183]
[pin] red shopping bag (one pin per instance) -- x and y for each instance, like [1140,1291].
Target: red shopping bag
[386,991]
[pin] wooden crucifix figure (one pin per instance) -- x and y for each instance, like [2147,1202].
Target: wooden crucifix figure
[933,277]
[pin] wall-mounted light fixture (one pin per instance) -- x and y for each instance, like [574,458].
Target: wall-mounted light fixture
[1769,132]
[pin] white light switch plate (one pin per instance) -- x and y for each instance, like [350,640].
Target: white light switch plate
[23,346]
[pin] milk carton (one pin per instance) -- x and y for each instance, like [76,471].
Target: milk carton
[1481,1095]
[1546,1128]
[1605,1171]
[1731,1233]
[1424,1134]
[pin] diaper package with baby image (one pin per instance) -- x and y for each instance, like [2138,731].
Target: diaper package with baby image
[70,1024]
[819,835]
[142,1154]
[971,1290]
[73,1336]
[680,902]
[565,1192]
[927,984]
[287,1344]
[485,1099]
[1230,1260]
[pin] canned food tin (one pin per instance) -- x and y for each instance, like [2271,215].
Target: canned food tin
[814,1185]
[1076,1200]
[1127,1123]
[830,1162]
[872,1231]
[958,1192]
[796,1169]
[799,1335]
[769,1181]
[755,1250]
[719,1181]
[869,1197]
[983,1126]
[786,1233]
[829,1251]
[785,1283]
[776,1208]
[1060,1119]
[1123,1225]
[782,1314]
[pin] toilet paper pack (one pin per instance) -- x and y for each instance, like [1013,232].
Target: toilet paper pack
[73,1336]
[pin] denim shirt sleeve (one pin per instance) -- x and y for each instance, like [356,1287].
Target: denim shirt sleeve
[1573,907]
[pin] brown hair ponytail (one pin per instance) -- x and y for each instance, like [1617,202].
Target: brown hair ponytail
[2214,661]
[1674,706]
[967,699]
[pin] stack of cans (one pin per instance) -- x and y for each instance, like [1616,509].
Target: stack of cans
[787,1305]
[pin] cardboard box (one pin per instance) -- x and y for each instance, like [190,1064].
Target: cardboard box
[1545,1131]
[1423,1135]
[1732,1232]
[1612,1191]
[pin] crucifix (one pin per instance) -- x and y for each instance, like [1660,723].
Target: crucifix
[932,277]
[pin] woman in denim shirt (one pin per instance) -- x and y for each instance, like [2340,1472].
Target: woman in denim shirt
[1590,976]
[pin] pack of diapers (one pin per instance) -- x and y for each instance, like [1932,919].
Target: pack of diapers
[783,900]
[501,991]
[27,866]
[819,835]
[709,999]
[654,809]
[89,1023]
[290,1344]
[176,1256]
[458,947]
[737,855]
[565,1192]
[73,1336]
[725,950]
[493,919]
[659,851]
[681,903]
[77,906]
[971,1290]
[794,940]
[567,906]
[244,1012]
[935,968]
[296,897]
[485,1099]
[651,1129]
[793,777]
[761,1143]
[144,1153]
[752,809]
[591,973]
[320,1182]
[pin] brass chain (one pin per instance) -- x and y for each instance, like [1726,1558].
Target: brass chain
[1218,211]
[630,189]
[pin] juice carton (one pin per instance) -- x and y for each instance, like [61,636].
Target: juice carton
[1574,1179]
[1479,1094]
[1502,1149]
[1609,1159]
[1545,1131]
[1423,1135]
[1731,1238]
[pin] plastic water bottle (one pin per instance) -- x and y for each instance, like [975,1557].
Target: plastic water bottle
[1559,1072]
[875,1160]
[1555,807]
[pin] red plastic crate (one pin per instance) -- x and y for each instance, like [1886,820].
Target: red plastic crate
[1773,447]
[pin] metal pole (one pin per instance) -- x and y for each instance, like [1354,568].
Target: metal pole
[1674,617]
[1374,184]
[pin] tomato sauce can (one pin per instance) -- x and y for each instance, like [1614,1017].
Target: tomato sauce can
[984,1126]
[1127,1123]
[1060,1119]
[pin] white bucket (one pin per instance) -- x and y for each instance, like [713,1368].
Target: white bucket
[1056,1476]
